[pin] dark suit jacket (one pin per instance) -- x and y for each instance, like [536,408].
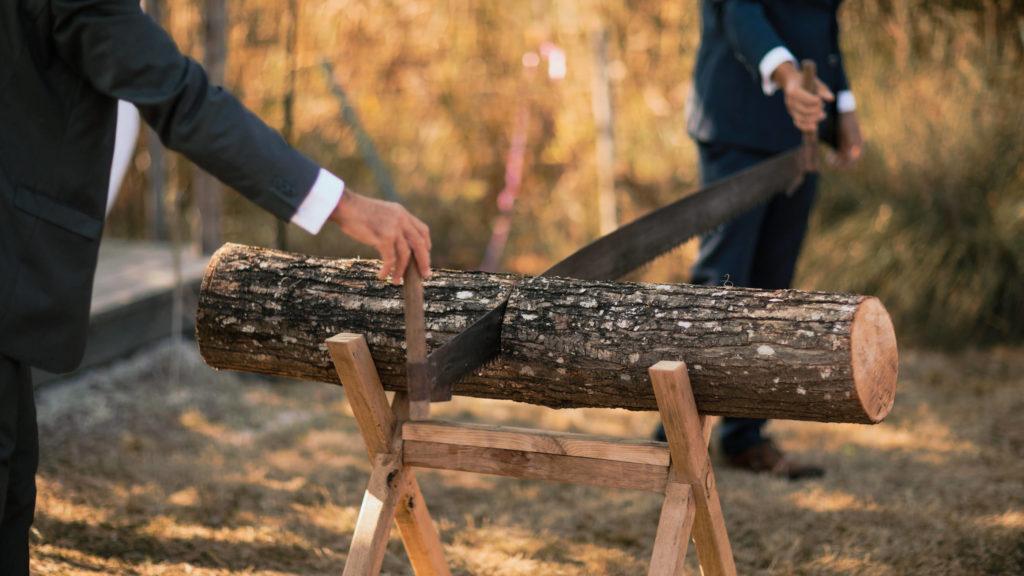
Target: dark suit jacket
[727,104]
[63,64]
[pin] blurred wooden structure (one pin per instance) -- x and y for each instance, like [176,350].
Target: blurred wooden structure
[133,299]
[681,470]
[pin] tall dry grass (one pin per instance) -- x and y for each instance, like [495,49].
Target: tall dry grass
[932,221]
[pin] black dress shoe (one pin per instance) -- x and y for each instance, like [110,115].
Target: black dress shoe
[766,458]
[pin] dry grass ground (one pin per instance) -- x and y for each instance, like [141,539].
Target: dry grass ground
[218,474]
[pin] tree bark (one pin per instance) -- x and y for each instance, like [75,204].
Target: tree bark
[565,343]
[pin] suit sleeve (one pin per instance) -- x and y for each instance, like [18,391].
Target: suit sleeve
[123,53]
[842,83]
[748,30]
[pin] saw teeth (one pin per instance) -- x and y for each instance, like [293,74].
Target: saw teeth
[605,256]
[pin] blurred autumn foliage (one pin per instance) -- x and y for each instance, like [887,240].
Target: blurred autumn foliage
[932,220]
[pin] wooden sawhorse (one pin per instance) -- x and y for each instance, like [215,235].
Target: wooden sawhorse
[681,471]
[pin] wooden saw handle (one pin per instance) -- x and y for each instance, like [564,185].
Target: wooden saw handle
[415,344]
[810,83]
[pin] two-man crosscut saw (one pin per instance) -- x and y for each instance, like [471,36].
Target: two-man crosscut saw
[607,258]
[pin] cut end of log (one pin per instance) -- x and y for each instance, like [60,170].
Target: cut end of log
[211,268]
[875,358]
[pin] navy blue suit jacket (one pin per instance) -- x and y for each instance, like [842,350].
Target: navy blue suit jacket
[63,65]
[727,104]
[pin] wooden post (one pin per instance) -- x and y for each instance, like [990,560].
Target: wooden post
[690,464]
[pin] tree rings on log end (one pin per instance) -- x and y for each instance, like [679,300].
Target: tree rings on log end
[874,357]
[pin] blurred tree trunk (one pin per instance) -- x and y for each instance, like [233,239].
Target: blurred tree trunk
[288,129]
[155,214]
[208,190]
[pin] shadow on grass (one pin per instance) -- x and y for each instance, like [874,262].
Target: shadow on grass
[235,477]
[130,544]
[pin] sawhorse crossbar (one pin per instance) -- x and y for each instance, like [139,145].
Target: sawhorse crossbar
[681,471]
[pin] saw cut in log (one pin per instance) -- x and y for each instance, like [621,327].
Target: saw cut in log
[565,343]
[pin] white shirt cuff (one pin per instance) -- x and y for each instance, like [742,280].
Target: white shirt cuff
[319,203]
[772,60]
[845,102]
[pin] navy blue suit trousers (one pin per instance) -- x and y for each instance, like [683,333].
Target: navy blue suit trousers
[758,249]
[19,458]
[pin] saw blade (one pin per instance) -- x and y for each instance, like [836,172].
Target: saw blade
[614,255]
[627,248]
[467,351]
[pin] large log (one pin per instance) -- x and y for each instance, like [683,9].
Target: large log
[565,343]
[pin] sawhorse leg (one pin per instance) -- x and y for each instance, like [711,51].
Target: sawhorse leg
[674,529]
[683,472]
[688,434]
[392,491]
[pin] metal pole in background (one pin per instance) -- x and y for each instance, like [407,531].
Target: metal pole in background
[604,122]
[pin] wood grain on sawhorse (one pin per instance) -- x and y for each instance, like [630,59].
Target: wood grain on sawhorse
[680,470]
[691,464]
[400,497]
